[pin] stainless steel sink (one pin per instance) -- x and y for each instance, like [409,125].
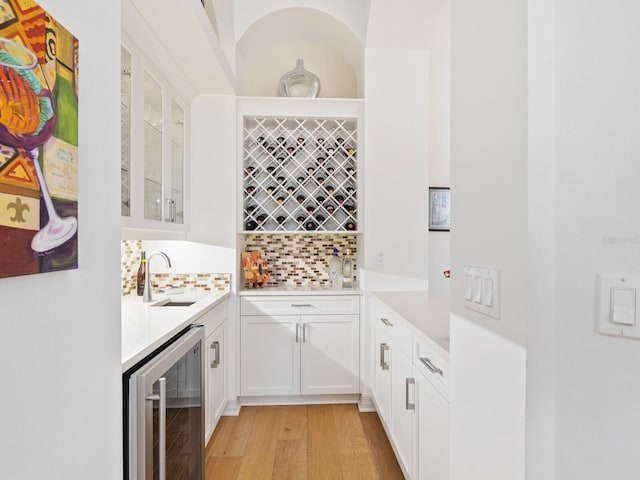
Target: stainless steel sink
[171,303]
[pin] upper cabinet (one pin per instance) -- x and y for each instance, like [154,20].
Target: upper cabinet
[154,148]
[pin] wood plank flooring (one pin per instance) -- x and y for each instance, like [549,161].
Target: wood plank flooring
[301,442]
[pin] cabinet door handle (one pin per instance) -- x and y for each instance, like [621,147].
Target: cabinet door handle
[297,332]
[301,305]
[304,332]
[432,368]
[216,359]
[383,348]
[162,413]
[386,322]
[408,405]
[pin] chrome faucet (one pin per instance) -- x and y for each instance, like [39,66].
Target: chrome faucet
[147,274]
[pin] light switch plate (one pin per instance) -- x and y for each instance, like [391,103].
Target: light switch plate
[616,304]
[482,290]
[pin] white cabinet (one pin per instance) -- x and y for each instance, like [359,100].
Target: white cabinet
[432,449]
[215,374]
[154,147]
[299,345]
[411,394]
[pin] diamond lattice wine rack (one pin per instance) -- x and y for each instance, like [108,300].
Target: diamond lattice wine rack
[300,174]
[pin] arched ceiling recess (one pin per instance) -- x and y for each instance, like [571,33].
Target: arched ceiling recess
[270,46]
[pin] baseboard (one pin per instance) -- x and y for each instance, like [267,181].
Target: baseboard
[232,408]
[366,403]
[299,399]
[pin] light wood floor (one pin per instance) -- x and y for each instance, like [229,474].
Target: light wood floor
[328,442]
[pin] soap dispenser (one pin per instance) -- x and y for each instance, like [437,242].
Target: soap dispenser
[347,270]
[335,270]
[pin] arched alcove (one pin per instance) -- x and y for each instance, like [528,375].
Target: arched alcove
[270,46]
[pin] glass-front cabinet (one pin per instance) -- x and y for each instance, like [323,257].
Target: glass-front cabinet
[154,147]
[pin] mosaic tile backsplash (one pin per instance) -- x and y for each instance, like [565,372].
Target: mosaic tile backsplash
[204,282]
[300,260]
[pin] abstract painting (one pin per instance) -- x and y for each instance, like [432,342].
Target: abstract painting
[38,141]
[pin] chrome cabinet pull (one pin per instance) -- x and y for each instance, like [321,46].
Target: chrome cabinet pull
[216,360]
[432,368]
[297,332]
[386,322]
[408,405]
[383,348]
[162,441]
[301,305]
[304,332]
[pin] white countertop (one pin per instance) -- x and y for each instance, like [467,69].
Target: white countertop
[427,313]
[145,326]
[299,291]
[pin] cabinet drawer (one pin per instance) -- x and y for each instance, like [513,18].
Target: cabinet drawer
[214,317]
[309,305]
[393,325]
[432,366]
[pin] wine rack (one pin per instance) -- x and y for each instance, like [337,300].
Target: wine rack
[300,174]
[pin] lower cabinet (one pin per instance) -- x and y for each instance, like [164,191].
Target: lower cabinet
[215,373]
[410,393]
[215,378]
[299,346]
[432,462]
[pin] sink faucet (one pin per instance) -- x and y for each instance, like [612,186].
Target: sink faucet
[147,274]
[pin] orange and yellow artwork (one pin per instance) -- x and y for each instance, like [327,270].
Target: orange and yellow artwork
[255,269]
[38,141]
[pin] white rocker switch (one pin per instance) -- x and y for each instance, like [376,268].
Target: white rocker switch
[477,289]
[468,287]
[623,306]
[487,292]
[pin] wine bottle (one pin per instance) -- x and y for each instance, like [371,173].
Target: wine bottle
[350,171]
[261,141]
[310,170]
[271,189]
[280,159]
[330,209]
[340,140]
[251,225]
[271,169]
[300,179]
[300,219]
[339,199]
[330,170]
[270,149]
[350,226]
[280,179]
[350,208]
[66,102]
[330,151]
[320,199]
[310,225]
[280,140]
[330,190]
[311,209]
[320,180]
[250,189]
[250,209]
[320,160]
[290,150]
[300,141]
[280,219]
[319,141]
[261,218]
[320,218]
[280,200]
[291,189]
[140,277]
[300,198]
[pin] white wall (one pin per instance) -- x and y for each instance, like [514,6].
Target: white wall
[60,408]
[598,230]
[395,168]
[440,136]
[489,212]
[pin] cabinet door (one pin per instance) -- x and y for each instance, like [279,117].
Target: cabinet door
[402,407]
[270,355]
[433,432]
[215,379]
[330,356]
[382,377]
[153,118]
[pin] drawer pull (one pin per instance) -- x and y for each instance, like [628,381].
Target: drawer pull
[301,305]
[216,361]
[408,405]
[432,368]
[304,332]
[297,332]
[383,348]
[386,322]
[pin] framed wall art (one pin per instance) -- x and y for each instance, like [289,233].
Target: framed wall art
[439,209]
[38,141]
